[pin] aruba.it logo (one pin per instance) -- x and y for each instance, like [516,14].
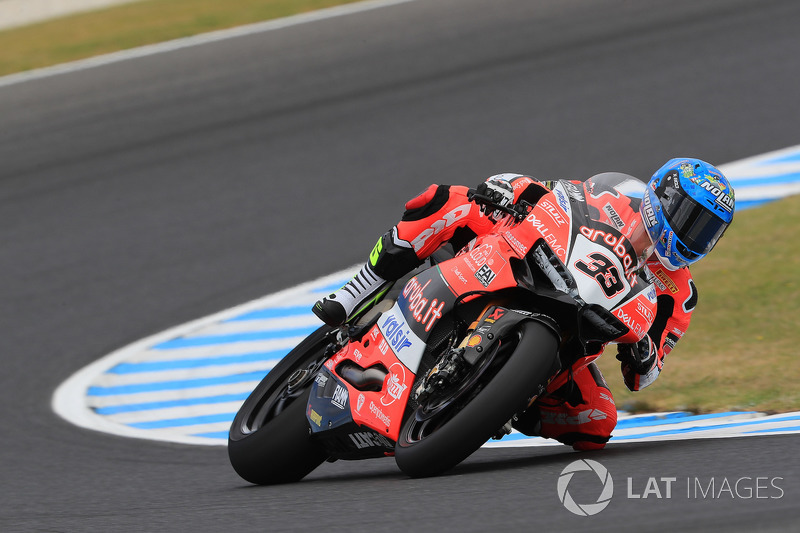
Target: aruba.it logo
[585,509]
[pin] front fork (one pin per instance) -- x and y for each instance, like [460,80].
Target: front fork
[482,338]
[452,365]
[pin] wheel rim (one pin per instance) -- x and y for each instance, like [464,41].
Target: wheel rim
[286,391]
[440,408]
[262,406]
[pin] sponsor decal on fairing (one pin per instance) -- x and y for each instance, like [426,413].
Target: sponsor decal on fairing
[394,331]
[459,275]
[360,402]
[559,219]
[383,346]
[478,257]
[549,237]
[518,247]
[423,311]
[380,415]
[615,242]
[646,312]
[651,294]
[485,275]
[633,324]
[561,199]
[395,384]
[339,398]
[369,439]
[495,315]
[398,336]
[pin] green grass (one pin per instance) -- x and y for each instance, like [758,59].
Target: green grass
[741,350]
[130,25]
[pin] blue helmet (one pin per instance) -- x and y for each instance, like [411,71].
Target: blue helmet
[686,209]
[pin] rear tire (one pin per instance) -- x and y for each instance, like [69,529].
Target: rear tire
[533,361]
[270,441]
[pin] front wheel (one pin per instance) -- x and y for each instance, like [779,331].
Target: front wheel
[436,438]
[269,440]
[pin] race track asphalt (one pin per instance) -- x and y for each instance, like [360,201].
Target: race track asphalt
[146,193]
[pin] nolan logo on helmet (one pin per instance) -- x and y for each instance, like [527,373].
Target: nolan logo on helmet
[723,198]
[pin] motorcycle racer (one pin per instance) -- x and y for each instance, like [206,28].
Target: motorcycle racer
[672,222]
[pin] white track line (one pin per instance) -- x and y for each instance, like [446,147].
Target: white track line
[197,40]
[69,399]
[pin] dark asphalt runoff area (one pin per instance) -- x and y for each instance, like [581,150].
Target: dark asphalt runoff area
[146,193]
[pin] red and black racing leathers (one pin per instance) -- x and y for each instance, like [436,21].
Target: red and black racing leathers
[579,408]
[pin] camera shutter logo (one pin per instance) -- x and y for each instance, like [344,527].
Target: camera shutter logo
[586,509]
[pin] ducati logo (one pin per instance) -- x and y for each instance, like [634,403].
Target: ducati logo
[360,402]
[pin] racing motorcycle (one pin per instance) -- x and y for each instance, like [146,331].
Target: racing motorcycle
[458,351]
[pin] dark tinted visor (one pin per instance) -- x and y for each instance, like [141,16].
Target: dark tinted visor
[696,226]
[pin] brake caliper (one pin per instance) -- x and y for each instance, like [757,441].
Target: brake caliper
[448,371]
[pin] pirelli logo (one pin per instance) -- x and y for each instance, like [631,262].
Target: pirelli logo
[666,281]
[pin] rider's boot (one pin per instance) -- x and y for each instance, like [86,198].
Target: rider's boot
[390,259]
[335,308]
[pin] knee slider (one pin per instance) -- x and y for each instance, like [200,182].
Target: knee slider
[583,441]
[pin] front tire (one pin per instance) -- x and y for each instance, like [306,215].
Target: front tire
[431,447]
[269,440]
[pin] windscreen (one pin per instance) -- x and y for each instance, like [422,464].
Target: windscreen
[616,198]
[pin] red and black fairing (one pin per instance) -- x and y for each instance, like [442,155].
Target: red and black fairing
[358,402]
[359,399]
[582,237]
[588,228]
[563,265]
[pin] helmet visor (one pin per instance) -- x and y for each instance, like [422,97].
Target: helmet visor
[696,226]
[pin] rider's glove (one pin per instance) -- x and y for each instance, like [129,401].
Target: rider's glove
[640,357]
[500,192]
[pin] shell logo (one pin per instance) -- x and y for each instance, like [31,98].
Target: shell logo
[474,341]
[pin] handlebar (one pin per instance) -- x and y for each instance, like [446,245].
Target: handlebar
[518,210]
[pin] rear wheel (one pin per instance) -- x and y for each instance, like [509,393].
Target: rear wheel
[269,440]
[446,428]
